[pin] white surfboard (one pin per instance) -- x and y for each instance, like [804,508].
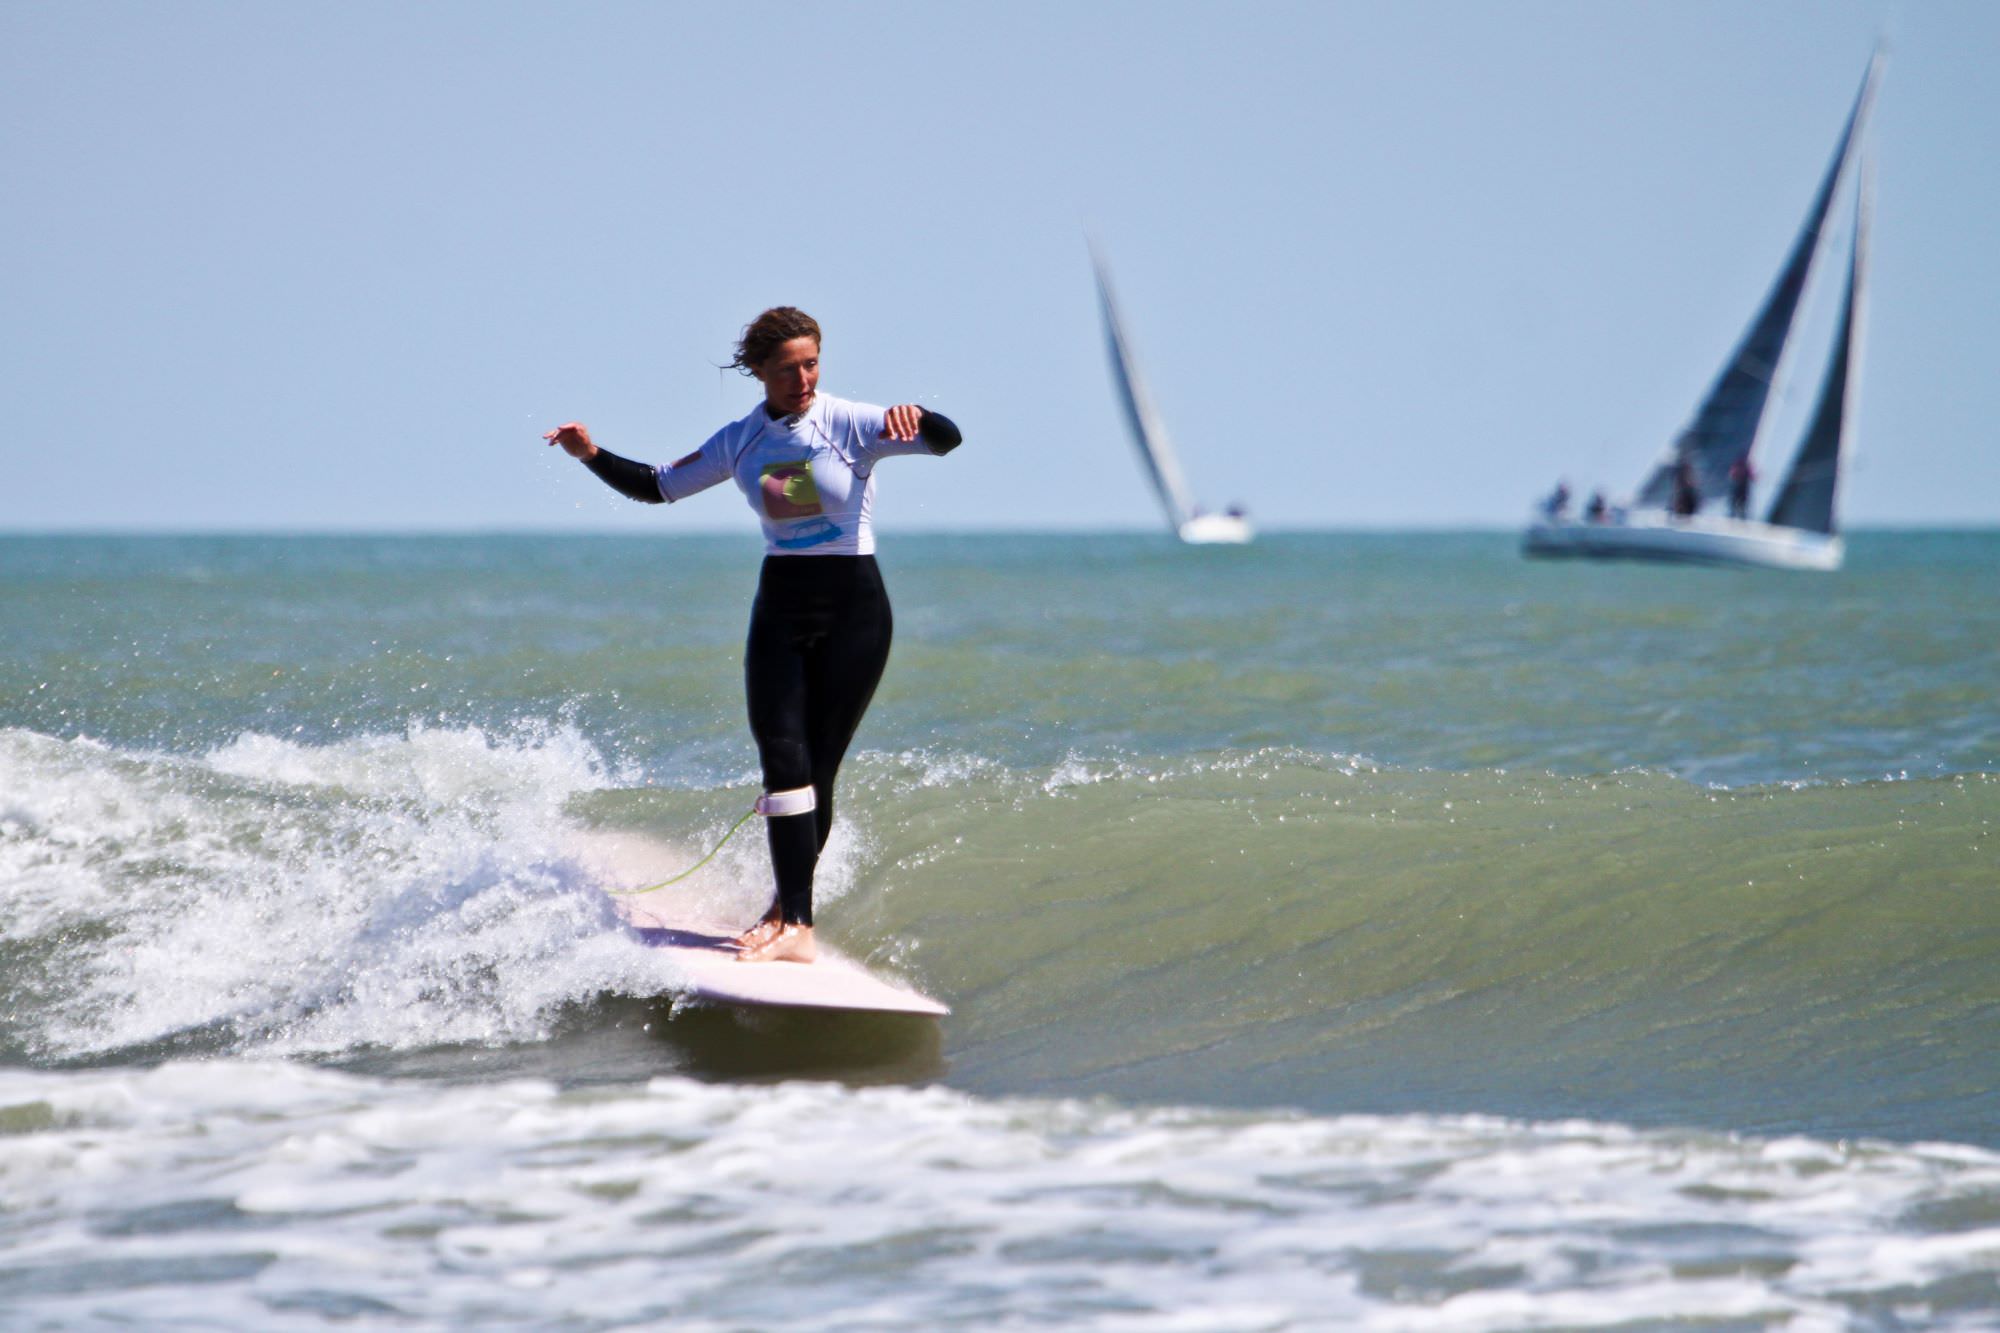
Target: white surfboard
[704,954]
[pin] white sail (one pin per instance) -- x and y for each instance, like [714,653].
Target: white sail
[1149,434]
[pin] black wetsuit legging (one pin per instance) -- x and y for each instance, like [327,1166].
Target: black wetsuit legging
[819,638]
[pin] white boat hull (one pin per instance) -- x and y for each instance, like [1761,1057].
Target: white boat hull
[1699,540]
[1216,529]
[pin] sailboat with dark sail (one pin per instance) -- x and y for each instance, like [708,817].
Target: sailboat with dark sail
[1187,520]
[1711,458]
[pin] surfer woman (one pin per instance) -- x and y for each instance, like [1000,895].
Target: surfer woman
[820,627]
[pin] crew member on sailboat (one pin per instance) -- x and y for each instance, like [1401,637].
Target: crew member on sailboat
[1687,490]
[1741,474]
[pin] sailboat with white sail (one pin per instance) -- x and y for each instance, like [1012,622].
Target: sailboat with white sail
[1711,458]
[1187,520]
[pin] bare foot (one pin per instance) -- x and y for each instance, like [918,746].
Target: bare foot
[762,932]
[792,944]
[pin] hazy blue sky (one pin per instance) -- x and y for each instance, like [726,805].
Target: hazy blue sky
[332,266]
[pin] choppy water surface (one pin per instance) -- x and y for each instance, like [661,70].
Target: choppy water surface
[1341,932]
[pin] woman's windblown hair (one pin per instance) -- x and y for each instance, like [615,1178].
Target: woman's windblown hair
[770,331]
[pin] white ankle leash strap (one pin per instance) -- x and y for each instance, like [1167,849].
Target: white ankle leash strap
[797,801]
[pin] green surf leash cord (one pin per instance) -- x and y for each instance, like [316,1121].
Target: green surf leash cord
[748,815]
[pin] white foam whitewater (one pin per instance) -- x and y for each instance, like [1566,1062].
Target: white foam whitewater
[241,1195]
[284,897]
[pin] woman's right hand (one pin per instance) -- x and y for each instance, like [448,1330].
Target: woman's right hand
[574,437]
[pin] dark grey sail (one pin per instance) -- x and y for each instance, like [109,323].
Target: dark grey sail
[1149,433]
[1806,499]
[1725,427]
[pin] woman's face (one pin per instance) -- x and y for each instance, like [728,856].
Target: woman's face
[790,375]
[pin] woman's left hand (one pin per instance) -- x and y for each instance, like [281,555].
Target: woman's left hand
[900,421]
[573,437]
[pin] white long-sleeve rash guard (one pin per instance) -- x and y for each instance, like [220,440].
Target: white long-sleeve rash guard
[810,478]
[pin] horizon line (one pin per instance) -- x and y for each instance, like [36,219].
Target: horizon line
[1368,529]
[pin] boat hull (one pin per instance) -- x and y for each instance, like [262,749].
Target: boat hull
[1698,540]
[1215,530]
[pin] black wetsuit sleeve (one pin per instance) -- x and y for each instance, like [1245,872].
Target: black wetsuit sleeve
[936,430]
[634,481]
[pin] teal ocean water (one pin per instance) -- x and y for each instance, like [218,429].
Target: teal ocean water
[1346,931]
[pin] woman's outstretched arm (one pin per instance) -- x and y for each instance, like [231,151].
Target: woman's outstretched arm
[634,481]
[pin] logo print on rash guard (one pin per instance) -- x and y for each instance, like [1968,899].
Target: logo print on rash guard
[814,532]
[788,490]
